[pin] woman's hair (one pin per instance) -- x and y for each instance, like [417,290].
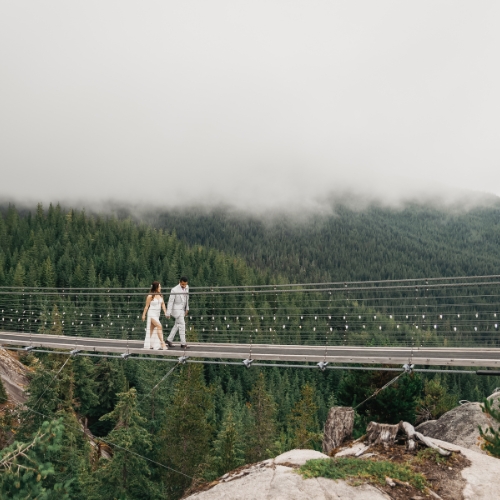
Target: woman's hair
[154,289]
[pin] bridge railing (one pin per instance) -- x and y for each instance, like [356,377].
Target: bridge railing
[451,312]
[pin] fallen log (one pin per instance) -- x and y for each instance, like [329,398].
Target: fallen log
[430,444]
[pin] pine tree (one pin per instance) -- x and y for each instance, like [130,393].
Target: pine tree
[304,421]
[491,435]
[56,326]
[435,402]
[185,436]
[126,475]
[228,448]
[3,393]
[262,432]
[48,276]
[19,277]
[24,468]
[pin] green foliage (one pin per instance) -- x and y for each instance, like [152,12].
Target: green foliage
[395,403]
[228,451]
[205,421]
[24,469]
[303,420]
[3,393]
[370,244]
[491,435]
[350,468]
[429,455]
[435,401]
[184,439]
[127,475]
[263,426]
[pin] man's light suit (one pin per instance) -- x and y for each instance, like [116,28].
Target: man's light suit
[178,305]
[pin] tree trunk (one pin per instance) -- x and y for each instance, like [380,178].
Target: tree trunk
[338,427]
[381,433]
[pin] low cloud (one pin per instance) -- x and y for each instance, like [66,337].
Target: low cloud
[258,106]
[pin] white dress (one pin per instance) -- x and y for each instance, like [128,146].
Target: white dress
[152,341]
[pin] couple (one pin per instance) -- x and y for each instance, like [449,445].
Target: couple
[178,307]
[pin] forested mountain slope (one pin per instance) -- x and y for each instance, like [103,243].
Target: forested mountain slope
[69,248]
[375,243]
[204,420]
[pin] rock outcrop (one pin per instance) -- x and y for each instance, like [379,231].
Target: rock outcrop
[14,376]
[460,426]
[277,479]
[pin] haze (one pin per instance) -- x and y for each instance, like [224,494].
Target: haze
[258,104]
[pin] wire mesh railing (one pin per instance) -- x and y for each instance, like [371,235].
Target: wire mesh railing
[446,312]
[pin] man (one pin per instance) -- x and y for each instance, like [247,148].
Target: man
[178,308]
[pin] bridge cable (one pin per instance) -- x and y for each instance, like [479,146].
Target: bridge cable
[406,368]
[48,385]
[109,443]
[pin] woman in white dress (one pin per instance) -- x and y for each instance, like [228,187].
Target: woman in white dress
[154,305]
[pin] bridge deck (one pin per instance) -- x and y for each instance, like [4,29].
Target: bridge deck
[477,357]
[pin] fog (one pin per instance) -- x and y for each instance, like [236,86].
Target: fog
[280,105]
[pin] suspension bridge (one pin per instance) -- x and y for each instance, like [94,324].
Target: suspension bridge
[445,322]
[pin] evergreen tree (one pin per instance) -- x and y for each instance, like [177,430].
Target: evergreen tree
[303,420]
[229,447]
[19,277]
[3,393]
[396,402]
[48,275]
[491,435]
[127,475]
[185,436]
[24,469]
[262,432]
[435,401]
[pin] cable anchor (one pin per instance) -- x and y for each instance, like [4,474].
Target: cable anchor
[74,352]
[183,359]
[248,362]
[408,368]
[322,365]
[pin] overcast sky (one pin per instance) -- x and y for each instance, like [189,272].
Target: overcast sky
[255,103]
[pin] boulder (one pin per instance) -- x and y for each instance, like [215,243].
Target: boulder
[460,426]
[14,376]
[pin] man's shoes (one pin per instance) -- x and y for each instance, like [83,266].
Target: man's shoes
[169,343]
[184,346]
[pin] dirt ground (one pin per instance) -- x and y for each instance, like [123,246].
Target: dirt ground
[444,477]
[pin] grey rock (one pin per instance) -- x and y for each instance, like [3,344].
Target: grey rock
[460,426]
[297,457]
[14,376]
[272,481]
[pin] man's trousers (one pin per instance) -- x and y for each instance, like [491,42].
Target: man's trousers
[178,325]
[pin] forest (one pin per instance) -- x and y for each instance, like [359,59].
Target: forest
[204,420]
